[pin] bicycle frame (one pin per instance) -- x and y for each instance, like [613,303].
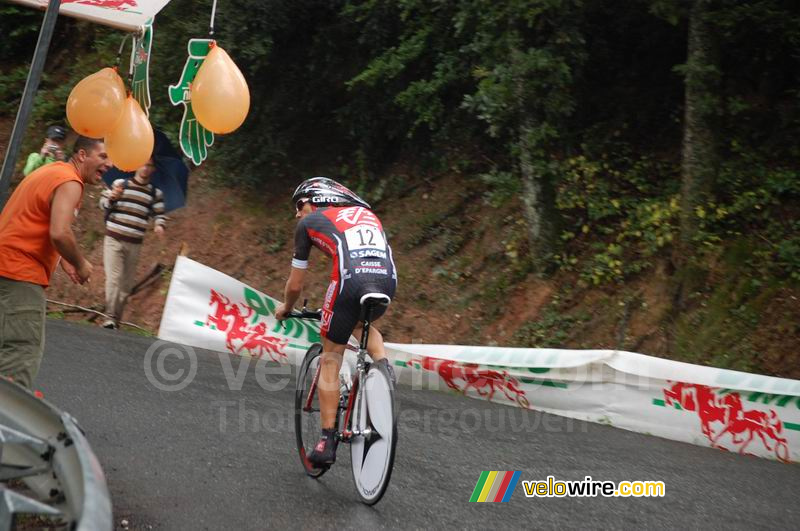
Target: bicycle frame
[364,413]
[346,434]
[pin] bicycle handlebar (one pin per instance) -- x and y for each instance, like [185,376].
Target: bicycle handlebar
[305,314]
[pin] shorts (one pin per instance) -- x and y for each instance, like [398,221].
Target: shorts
[342,310]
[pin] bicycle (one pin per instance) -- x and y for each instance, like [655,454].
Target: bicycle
[371,431]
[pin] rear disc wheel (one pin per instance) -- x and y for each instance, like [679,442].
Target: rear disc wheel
[372,456]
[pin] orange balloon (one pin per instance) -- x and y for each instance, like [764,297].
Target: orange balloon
[130,144]
[114,76]
[95,104]
[220,97]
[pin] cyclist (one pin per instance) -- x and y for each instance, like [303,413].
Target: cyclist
[342,225]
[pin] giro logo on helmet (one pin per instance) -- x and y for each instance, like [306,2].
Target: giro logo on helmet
[322,191]
[327,199]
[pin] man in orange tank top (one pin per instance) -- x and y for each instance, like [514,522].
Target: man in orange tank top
[35,234]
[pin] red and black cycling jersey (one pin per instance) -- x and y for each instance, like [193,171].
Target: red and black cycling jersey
[352,236]
[362,263]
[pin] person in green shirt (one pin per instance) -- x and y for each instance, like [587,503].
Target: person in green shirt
[52,149]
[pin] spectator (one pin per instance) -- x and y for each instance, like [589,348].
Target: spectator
[52,150]
[129,205]
[35,233]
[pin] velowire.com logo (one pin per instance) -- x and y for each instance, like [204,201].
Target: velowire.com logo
[495,486]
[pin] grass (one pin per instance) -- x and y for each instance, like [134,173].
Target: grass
[91,237]
[552,330]
[223,219]
[137,331]
[274,238]
[719,330]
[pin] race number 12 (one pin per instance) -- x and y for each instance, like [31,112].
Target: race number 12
[364,237]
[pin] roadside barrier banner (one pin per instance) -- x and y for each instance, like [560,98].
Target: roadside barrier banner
[730,410]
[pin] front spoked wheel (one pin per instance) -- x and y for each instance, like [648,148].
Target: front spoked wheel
[373,453]
[307,421]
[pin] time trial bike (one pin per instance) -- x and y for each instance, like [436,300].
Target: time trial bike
[367,413]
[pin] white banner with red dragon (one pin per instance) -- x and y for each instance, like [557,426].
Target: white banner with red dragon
[729,410]
[127,15]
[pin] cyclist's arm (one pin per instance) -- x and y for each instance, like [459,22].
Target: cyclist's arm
[302,250]
[294,287]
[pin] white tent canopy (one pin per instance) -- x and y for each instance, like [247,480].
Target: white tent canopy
[126,15]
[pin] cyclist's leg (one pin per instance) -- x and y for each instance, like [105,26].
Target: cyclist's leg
[339,317]
[374,343]
[337,324]
[324,452]
[329,382]
[376,348]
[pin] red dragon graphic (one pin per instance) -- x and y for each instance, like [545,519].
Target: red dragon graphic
[231,318]
[484,381]
[119,5]
[727,411]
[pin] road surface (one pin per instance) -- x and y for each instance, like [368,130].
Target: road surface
[220,454]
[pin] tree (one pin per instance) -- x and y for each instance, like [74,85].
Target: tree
[536,49]
[510,65]
[699,153]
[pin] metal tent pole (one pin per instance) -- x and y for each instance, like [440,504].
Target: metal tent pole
[25,106]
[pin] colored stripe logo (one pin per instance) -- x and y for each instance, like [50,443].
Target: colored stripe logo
[494,486]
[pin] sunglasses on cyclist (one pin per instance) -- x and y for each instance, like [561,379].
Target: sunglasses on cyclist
[300,203]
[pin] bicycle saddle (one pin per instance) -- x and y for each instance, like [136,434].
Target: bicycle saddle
[370,301]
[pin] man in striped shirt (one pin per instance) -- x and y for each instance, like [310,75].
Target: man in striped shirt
[129,205]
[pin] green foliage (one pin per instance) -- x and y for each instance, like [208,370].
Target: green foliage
[90,238]
[493,293]
[788,254]
[616,216]
[515,246]
[501,186]
[274,238]
[11,87]
[19,27]
[446,232]
[390,186]
[720,333]
[552,329]
[333,81]
[761,203]
[51,110]
[135,330]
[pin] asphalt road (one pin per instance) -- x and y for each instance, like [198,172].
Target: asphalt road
[219,455]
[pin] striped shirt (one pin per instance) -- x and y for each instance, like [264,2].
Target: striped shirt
[129,216]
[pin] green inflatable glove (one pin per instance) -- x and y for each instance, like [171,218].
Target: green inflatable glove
[195,139]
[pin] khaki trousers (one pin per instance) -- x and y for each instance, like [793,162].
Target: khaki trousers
[119,261]
[22,313]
